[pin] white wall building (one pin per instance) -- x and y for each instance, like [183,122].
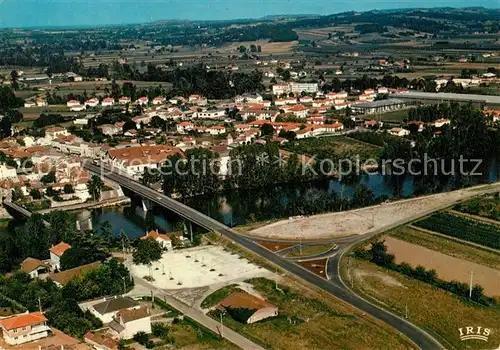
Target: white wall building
[24,328]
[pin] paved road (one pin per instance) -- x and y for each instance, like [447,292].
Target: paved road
[335,287]
[200,317]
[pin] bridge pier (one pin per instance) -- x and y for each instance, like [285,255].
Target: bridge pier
[146,205]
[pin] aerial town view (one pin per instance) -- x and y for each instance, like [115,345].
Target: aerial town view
[249,174]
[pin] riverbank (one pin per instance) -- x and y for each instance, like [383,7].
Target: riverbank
[365,220]
[90,205]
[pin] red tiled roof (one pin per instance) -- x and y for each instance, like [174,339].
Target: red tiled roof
[23,320]
[155,235]
[60,248]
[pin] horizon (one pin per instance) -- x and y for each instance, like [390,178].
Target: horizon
[28,14]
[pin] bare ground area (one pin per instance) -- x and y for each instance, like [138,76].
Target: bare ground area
[447,267]
[366,220]
[267,48]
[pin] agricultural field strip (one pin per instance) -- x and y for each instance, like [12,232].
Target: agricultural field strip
[474,217]
[463,228]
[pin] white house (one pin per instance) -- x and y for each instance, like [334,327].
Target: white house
[216,130]
[211,114]
[7,172]
[93,102]
[126,323]
[124,100]
[107,102]
[163,239]
[158,100]
[142,100]
[55,131]
[441,122]
[56,251]
[399,132]
[184,126]
[24,328]
[73,103]
[107,309]
[29,104]
[41,102]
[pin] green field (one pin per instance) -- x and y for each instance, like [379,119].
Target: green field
[488,207]
[395,116]
[463,228]
[326,147]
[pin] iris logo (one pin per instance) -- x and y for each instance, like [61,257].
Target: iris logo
[474,332]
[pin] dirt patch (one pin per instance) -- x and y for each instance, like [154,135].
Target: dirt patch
[267,48]
[366,220]
[275,246]
[385,279]
[316,266]
[447,267]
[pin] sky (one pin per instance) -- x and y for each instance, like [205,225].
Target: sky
[55,13]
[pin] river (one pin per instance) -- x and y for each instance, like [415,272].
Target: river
[238,207]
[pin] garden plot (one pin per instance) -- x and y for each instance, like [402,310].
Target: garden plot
[198,267]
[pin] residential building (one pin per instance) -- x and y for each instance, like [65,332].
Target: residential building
[100,341]
[399,132]
[142,100]
[197,100]
[24,328]
[73,103]
[124,100]
[34,267]
[441,122]
[158,100]
[184,126]
[53,132]
[56,251]
[162,239]
[93,102]
[243,300]
[216,129]
[108,102]
[128,322]
[29,104]
[304,87]
[134,160]
[298,110]
[107,309]
[210,114]
[7,172]
[41,102]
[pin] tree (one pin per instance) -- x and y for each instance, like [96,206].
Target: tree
[147,251]
[68,188]
[95,185]
[106,230]
[286,75]
[81,253]
[35,194]
[17,194]
[49,178]
[266,129]
[242,49]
